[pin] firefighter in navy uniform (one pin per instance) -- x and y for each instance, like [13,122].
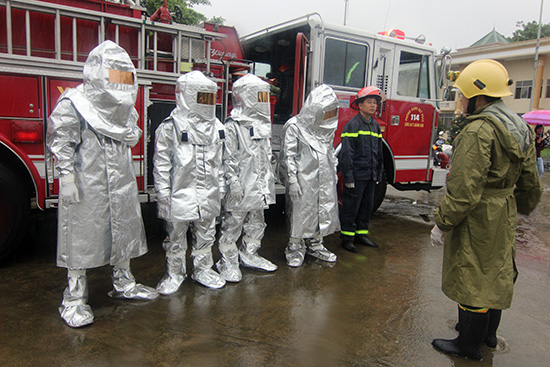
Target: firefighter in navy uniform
[361,163]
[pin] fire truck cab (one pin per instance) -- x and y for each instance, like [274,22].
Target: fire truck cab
[306,52]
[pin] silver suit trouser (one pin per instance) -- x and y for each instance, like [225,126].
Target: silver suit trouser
[203,233]
[251,224]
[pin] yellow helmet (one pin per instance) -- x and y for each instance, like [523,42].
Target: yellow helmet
[484,77]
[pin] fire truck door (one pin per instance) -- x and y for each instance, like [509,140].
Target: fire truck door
[411,116]
[300,62]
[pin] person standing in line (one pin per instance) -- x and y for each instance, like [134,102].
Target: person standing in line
[90,133]
[361,163]
[249,176]
[493,176]
[189,181]
[308,169]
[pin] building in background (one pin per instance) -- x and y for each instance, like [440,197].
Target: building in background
[518,58]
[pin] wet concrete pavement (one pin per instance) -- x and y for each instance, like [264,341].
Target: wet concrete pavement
[380,307]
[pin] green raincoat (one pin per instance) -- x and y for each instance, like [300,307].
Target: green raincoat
[493,176]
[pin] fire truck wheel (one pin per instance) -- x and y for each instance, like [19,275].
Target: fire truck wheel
[380,192]
[14,209]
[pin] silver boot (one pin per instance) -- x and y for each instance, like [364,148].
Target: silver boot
[316,249]
[175,274]
[248,255]
[228,265]
[125,286]
[74,309]
[295,252]
[202,269]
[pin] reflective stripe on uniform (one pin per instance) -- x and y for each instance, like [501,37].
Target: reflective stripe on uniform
[348,233]
[362,231]
[361,132]
[476,310]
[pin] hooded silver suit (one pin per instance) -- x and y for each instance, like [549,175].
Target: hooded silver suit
[90,133]
[189,180]
[308,169]
[249,176]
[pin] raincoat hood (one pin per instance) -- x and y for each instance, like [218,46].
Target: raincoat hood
[195,112]
[513,132]
[110,85]
[319,115]
[251,107]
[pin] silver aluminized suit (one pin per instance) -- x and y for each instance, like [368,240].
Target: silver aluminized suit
[90,133]
[308,169]
[189,180]
[249,177]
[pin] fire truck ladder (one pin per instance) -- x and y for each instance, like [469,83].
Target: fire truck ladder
[189,44]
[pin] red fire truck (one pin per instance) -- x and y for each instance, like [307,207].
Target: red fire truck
[44,43]
[305,52]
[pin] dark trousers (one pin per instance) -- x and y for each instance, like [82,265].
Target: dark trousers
[356,208]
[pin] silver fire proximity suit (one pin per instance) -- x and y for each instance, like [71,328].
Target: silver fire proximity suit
[189,181]
[308,169]
[90,133]
[249,177]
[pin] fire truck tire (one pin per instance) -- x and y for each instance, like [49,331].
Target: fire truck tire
[380,193]
[14,211]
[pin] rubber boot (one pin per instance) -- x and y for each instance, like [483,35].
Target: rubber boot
[295,252]
[316,249]
[125,285]
[362,239]
[74,309]
[175,274]
[202,269]
[228,265]
[473,327]
[248,255]
[347,243]
[491,339]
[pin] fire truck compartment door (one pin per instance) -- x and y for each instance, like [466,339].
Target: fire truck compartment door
[20,96]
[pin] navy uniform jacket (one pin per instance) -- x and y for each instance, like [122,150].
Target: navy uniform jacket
[361,157]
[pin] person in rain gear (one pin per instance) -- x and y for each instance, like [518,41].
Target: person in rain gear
[189,181]
[308,169]
[493,176]
[90,133]
[249,176]
[361,164]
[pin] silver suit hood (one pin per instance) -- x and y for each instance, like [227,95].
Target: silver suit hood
[195,112]
[110,85]
[319,116]
[251,107]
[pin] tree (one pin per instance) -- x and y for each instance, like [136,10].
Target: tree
[187,16]
[529,31]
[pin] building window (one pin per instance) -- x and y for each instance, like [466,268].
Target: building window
[523,89]
[547,88]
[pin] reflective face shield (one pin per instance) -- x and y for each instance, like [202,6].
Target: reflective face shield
[331,114]
[121,77]
[206,98]
[263,97]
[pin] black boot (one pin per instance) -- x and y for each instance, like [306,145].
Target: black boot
[494,320]
[362,239]
[348,245]
[491,339]
[473,327]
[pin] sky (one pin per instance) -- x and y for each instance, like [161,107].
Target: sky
[450,23]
